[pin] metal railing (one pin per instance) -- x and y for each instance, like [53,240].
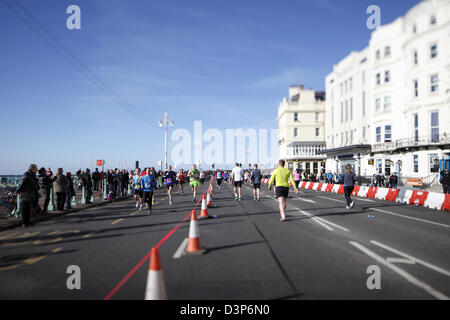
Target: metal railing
[437,139]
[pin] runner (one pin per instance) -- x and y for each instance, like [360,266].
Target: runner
[138,194]
[202,176]
[246,176]
[148,184]
[255,177]
[349,185]
[225,177]
[169,177]
[194,175]
[181,180]
[236,177]
[282,176]
[219,177]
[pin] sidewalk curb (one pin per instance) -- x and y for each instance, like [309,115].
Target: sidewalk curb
[18,222]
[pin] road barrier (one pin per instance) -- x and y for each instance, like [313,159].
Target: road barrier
[418,198]
[156,286]
[194,246]
[427,199]
[204,210]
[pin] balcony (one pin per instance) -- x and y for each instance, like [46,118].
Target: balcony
[419,141]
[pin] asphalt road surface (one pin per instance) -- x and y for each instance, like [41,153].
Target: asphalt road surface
[322,251]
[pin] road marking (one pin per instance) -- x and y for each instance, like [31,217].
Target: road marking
[359,199]
[410,278]
[39,242]
[33,260]
[411,258]
[306,200]
[412,218]
[9,267]
[134,213]
[333,224]
[16,243]
[400,260]
[117,221]
[315,219]
[9,236]
[181,249]
[56,250]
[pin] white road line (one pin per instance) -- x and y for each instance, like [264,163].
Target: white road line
[333,224]
[399,260]
[411,258]
[306,200]
[410,278]
[412,218]
[181,249]
[359,199]
[315,219]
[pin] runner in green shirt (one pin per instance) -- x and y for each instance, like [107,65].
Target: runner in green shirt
[281,175]
[194,176]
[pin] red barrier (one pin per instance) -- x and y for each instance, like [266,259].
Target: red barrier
[355,191]
[329,187]
[303,185]
[446,204]
[319,187]
[372,192]
[392,195]
[311,185]
[418,198]
[341,189]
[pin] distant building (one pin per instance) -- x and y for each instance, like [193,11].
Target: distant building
[389,104]
[301,133]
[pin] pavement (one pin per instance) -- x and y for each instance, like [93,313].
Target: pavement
[322,251]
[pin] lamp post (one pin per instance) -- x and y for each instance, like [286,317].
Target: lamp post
[399,168]
[165,123]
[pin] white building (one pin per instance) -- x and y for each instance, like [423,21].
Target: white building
[301,133]
[389,104]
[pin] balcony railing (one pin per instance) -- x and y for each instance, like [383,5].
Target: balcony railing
[437,139]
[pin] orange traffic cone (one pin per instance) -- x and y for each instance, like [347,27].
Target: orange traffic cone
[194,246]
[156,287]
[204,212]
[208,199]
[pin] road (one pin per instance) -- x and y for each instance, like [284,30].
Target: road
[323,251]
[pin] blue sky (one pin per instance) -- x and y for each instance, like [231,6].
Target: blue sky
[227,63]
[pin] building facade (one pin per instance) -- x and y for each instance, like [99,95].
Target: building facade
[301,133]
[388,105]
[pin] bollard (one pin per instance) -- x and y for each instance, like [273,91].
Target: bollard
[83,196]
[51,205]
[18,211]
[74,200]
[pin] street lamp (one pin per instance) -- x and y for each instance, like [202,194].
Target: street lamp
[165,123]
[399,168]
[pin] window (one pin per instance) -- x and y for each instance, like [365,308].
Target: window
[378,79]
[346,110]
[317,116]
[364,103]
[317,132]
[387,51]
[387,76]
[377,54]
[377,105]
[416,163]
[416,126]
[416,88]
[387,134]
[433,20]
[295,132]
[296,116]
[316,168]
[434,126]
[308,167]
[434,83]
[351,109]
[379,166]
[416,57]
[433,51]
[387,103]
[378,134]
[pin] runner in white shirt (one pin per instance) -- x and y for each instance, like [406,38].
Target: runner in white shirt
[236,176]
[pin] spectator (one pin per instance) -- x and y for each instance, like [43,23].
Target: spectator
[445,180]
[125,182]
[60,187]
[28,189]
[297,177]
[70,190]
[393,181]
[45,184]
[96,179]
[87,184]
